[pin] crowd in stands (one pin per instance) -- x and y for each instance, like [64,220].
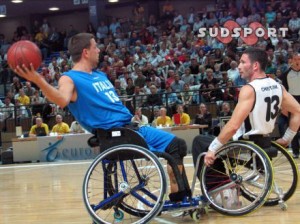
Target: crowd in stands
[161,62]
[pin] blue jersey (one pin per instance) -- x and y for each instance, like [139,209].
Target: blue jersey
[98,106]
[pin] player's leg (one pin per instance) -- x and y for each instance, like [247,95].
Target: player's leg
[178,150]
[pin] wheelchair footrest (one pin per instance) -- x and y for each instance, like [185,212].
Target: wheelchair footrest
[179,196]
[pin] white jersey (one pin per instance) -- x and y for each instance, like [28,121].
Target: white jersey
[268,99]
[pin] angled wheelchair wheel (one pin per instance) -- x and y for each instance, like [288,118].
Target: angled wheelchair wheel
[285,177]
[240,168]
[124,184]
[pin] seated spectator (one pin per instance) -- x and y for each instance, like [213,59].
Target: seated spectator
[153,119]
[139,118]
[187,77]
[209,78]
[163,119]
[39,129]
[24,100]
[233,72]
[181,118]
[170,98]
[225,111]
[177,84]
[204,117]
[28,89]
[167,10]
[229,92]
[22,112]
[7,110]
[154,99]
[60,127]
[37,103]
[186,95]
[76,127]
[212,94]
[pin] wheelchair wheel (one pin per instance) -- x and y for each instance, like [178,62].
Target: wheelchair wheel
[124,184]
[285,177]
[239,167]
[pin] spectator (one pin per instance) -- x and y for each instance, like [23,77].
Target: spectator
[204,117]
[60,127]
[7,110]
[186,95]
[154,116]
[167,10]
[76,128]
[130,87]
[242,19]
[177,85]
[23,99]
[187,77]
[163,120]
[181,118]
[39,129]
[170,98]
[270,15]
[139,97]
[102,31]
[294,25]
[154,99]
[139,118]
[210,79]
[114,25]
[22,112]
[233,72]
[28,89]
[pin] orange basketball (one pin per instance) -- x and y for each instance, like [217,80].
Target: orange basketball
[24,52]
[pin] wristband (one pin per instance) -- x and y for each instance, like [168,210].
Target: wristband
[215,145]
[289,135]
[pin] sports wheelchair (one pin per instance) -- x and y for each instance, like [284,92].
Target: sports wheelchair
[127,183]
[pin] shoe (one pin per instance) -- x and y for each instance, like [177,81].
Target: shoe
[295,156]
[228,198]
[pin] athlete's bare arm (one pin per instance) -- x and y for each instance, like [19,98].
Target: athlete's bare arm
[240,113]
[289,104]
[61,96]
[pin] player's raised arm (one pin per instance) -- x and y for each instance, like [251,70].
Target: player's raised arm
[61,96]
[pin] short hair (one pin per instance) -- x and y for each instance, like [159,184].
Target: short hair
[77,43]
[257,55]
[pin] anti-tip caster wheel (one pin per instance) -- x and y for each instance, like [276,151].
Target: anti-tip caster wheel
[283,206]
[119,215]
[196,215]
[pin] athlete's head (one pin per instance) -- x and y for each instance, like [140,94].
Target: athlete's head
[84,45]
[253,61]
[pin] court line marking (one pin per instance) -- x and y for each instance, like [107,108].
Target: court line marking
[59,163]
[44,165]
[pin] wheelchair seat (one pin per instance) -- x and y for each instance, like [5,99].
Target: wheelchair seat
[114,137]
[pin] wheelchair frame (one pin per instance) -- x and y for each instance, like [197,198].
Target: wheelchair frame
[121,169]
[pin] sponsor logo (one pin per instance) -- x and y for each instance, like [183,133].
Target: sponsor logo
[250,35]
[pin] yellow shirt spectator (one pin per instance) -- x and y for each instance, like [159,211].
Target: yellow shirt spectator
[164,121]
[39,124]
[61,128]
[33,129]
[24,100]
[181,118]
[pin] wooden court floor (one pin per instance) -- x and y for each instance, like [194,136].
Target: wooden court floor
[44,193]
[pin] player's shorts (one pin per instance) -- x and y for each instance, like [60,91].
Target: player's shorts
[177,149]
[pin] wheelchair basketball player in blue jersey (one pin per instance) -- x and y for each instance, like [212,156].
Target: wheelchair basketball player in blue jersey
[94,103]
